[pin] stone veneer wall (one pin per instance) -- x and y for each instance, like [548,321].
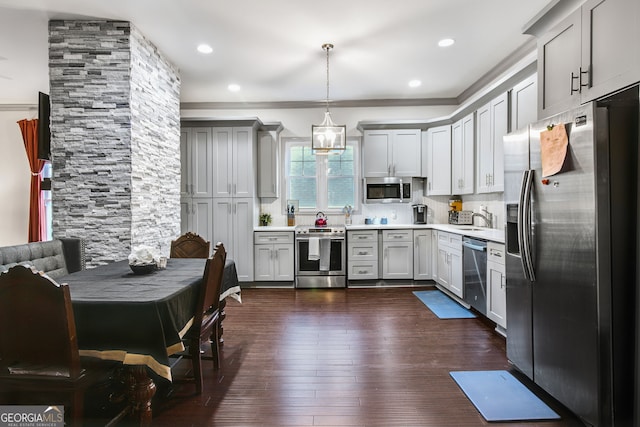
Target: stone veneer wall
[115,124]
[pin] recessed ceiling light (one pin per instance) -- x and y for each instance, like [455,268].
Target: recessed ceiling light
[446,42]
[204,48]
[233,87]
[415,83]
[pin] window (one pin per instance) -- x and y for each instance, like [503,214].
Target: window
[323,182]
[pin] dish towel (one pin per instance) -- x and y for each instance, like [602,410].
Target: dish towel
[325,254]
[314,249]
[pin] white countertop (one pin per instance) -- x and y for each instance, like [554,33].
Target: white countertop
[492,234]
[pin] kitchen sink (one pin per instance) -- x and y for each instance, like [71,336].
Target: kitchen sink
[472,229]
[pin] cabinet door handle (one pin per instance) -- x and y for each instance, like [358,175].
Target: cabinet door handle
[229,188]
[235,188]
[588,73]
[573,78]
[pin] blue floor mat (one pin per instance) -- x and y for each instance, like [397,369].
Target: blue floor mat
[499,396]
[443,306]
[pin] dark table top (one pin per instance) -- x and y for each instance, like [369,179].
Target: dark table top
[137,319]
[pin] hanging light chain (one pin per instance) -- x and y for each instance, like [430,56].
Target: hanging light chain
[327,47]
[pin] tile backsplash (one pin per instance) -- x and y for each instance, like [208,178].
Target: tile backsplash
[399,213]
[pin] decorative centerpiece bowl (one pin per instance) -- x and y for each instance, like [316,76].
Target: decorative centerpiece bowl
[143,260]
[143,268]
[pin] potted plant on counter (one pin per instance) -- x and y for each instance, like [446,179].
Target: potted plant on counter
[265,219]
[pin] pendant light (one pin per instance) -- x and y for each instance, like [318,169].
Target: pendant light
[327,137]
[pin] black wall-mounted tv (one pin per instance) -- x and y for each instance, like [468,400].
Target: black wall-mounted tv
[44,131]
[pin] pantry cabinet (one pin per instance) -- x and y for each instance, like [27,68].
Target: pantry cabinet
[436,161]
[492,124]
[397,254]
[233,226]
[196,159]
[462,160]
[234,168]
[591,53]
[218,186]
[391,153]
[273,256]
[195,216]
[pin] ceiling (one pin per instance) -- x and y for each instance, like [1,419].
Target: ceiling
[272,49]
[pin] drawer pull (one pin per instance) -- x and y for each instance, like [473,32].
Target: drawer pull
[362,253]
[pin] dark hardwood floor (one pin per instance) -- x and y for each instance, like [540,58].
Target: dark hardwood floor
[347,357]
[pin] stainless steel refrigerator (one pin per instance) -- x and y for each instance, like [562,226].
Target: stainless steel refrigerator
[571,259]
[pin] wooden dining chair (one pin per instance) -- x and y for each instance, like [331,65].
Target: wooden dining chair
[207,316]
[190,245]
[38,345]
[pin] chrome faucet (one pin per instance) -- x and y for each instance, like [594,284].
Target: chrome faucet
[487,217]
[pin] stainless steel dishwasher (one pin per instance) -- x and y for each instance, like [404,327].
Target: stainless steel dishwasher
[474,259]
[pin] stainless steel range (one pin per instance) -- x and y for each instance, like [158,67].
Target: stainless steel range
[320,257]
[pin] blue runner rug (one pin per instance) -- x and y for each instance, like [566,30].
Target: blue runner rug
[499,396]
[443,306]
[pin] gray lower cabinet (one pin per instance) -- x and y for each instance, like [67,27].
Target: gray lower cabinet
[450,273]
[397,254]
[273,256]
[496,284]
[422,255]
[362,255]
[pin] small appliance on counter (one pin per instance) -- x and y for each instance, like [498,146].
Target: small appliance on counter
[461,217]
[455,203]
[419,214]
[321,219]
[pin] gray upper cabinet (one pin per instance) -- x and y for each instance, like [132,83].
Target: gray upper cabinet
[559,67]
[524,103]
[391,153]
[610,52]
[268,164]
[591,53]
[436,161]
[462,160]
[492,124]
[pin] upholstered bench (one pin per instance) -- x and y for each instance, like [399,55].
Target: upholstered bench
[56,258]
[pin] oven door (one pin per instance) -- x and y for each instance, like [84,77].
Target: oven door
[307,267]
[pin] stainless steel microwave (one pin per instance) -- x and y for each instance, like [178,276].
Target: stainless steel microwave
[387,190]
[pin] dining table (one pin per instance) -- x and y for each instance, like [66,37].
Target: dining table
[139,319]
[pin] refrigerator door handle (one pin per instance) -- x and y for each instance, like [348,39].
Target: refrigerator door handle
[521,223]
[527,258]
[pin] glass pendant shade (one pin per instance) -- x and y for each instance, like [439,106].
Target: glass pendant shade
[328,137]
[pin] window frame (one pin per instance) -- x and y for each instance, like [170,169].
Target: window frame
[321,176]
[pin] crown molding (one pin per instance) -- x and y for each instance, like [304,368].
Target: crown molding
[283,105]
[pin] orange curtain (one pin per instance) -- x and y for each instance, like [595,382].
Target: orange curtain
[29,129]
